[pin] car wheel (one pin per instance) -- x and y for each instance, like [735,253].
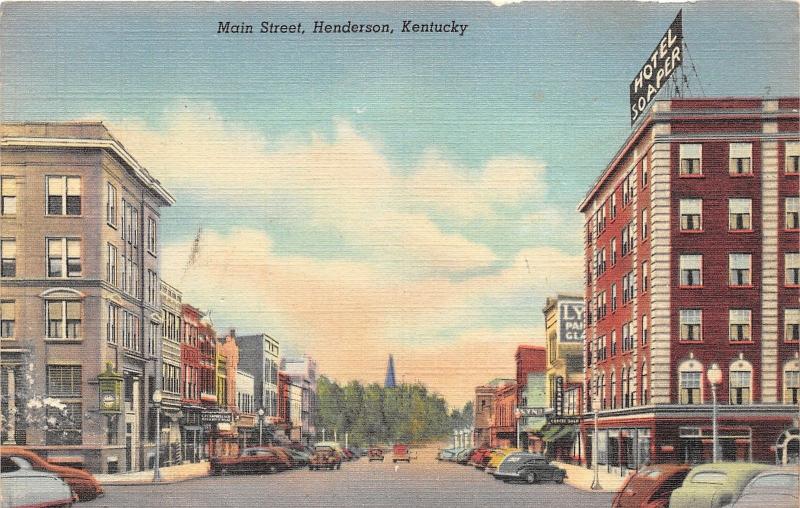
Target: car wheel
[338,466]
[272,469]
[530,478]
[560,478]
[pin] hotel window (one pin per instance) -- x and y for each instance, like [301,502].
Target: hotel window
[792,206]
[740,269]
[8,191]
[63,257]
[123,272]
[613,297]
[64,381]
[63,319]
[602,388]
[111,325]
[791,383]
[627,189]
[152,235]
[644,223]
[613,205]
[691,266]
[63,195]
[644,171]
[792,157]
[153,285]
[739,162]
[631,285]
[791,324]
[111,265]
[644,329]
[740,386]
[645,276]
[626,337]
[111,205]
[690,386]
[613,387]
[691,214]
[626,239]
[739,320]
[691,322]
[134,227]
[643,390]
[8,257]
[791,262]
[7,319]
[690,156]
[64,427]
[613,251]
[126,210]
[154,336]
[613,343]
[739,214]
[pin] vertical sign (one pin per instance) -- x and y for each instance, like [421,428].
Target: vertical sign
[667,57]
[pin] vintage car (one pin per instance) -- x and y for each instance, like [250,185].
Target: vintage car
[81,482]
[497,457]
[446,453]
[325,457]
[776,488]
[299,458]
[651,487]
[481,458]
[28,487]
[375,454]
[260,459]
[463,456]
[714,485]
[528,467]
[401,453]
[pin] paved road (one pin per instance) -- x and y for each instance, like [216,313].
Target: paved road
[359,483]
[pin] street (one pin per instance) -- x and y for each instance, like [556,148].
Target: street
[424,482]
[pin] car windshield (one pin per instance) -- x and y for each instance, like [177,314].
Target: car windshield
[513,458]
[771,481]
[716,477]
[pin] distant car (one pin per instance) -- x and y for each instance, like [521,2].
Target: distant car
[375,454]
[528,467]
[400,453]
[651,487]
[774,488]
[456,453]
[251,460]
[28,487]
[299,459]
[82,483]
[463,457]
[497,457]
[481,458]
[348,454]
[325,457]
[714,485]
[446,454]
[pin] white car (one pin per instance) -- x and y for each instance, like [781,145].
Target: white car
[26,487]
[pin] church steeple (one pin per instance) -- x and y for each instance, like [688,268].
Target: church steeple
[390,382]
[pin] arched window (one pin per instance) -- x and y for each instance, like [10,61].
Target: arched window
[791,382]
[643,385]
[602,389]
[740,378]
[613,390]
[690,382]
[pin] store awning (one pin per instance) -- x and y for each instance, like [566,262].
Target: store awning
[549,432]
[556,432]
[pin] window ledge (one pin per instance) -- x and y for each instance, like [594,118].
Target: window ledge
[742,286]
[692,231]
[687,341]
[699,286]
[740,231]
[793,286]
[787,173]
[791,230]
[680,175]
[732,341]
[64,216]
[53,340]
[741,175]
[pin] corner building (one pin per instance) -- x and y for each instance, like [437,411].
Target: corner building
[691,259]
[80,292]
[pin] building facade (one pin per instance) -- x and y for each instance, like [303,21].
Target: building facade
[484,410]
[80,290]
[260,356]
[302,372]
[531,364]
[503,432]
[171,326]
[691,260]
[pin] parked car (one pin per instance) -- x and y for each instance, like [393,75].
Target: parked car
[651,487]
[82,483]
[528,467]
[776,488]
[400,453]
[260,459]
[299,459]
[497,457]
[714,485]
[446,454]
[463,456]
[348,454]
[482,459]
[28,487]
[325,457]
[375,454]
[456,452]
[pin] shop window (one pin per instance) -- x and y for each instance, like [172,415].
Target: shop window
[791,383]
[739,385]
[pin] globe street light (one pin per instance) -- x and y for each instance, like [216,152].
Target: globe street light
[261,427]
[714,378]
[157,397]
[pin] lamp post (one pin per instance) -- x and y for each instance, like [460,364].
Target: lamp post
[157,397]
[261,427]
[517,416]
[714,378]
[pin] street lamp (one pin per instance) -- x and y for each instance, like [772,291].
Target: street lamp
[714,378]
[261,427]
[157,397]
[517,416]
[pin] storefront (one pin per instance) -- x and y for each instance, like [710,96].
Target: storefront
[192,434]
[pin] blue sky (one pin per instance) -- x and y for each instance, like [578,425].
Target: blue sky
[478,147]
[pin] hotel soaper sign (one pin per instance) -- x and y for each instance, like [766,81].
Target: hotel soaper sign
[667,57]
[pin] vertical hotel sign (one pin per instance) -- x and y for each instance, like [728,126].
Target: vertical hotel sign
[667,57]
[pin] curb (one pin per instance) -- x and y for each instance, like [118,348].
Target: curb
[124,483]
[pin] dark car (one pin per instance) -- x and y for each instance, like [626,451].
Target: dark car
[81,482]
[528,467]
[325,457]
[251,460]
[651,487]
[375,454]
[776,488]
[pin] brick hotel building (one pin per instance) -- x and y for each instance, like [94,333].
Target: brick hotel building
[691,259]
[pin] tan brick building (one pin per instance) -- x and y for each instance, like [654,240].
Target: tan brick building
[80,288]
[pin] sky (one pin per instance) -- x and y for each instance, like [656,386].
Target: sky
[357,195]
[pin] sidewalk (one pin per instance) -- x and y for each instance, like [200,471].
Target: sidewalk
[170,474]
[581,478]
